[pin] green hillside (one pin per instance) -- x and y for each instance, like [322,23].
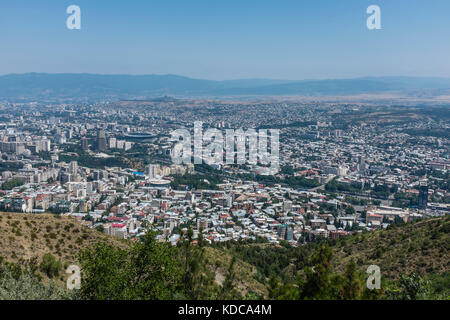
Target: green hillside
[421,247]
[36,249]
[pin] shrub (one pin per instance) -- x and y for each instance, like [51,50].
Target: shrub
[28,287]
[50,266]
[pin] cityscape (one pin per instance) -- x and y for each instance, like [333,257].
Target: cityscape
[193,167]
[344,168]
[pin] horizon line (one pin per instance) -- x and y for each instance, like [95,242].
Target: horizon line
[223,80]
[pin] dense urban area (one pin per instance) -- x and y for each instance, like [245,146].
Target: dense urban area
[345,169]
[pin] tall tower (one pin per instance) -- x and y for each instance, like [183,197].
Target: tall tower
[85,144]
[423,195]
[73,167]
[362,165]
[101,140]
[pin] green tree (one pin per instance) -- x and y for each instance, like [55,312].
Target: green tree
[228,290]
[317,281]
[155,271]
[104,273]
[350,210]
[147,269]
[17,283]
[50,266]
[198,279]
[351,286]
[410,287]
[11,184]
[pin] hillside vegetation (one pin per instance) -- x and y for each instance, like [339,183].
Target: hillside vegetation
[31,236]
[48,243]
[421,247]
[407,254]
[36,249]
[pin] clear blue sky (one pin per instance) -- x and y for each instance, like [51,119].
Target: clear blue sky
[227,39]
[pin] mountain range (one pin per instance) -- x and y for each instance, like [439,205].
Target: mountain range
[95,86]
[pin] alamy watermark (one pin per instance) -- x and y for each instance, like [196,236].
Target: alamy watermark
[73,22]
[374,20]
[74,280]
[236,147]
[374,279]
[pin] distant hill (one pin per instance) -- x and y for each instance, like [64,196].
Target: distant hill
[34,86]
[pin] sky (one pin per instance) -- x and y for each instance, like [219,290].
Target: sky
[232,39]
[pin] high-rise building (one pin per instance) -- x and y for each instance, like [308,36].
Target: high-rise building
[423,195]
[342,170]
[85,144]
[73,168]
[362,165]
[101,140]
[152,170]
[112,143]
[54,157]
[230,200]
[127,146]
[120,144]
[285,232]
[44,145]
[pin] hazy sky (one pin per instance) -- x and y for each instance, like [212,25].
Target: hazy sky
[227,39]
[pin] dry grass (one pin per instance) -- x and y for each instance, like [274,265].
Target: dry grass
[27,236]
[245,282]
[421,247]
